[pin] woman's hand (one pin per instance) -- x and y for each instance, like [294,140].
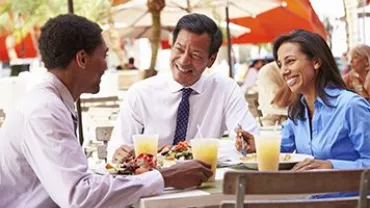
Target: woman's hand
[248,138]
[310,164]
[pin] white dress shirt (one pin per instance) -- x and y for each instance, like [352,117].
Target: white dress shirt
[42,164]
[150,106]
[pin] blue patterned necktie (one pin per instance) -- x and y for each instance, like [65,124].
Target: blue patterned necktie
[182,116]
[74,118]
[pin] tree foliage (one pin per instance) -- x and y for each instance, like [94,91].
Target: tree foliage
[25,14]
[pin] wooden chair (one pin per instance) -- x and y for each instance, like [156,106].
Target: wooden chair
[364,189]
[103,134]
[286,184]
[103,102]
[129,77]
[252,100]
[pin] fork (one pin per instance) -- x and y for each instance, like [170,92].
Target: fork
[244,151]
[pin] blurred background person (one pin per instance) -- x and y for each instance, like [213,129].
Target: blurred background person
[130,64]
[346,67]
[251,74]
[274,95]
[358,79]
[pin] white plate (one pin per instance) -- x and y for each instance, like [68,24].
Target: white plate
[101,171]
[283,165]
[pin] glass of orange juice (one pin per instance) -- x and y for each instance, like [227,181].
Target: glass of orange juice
[268,151]
[205,150]
[146,143]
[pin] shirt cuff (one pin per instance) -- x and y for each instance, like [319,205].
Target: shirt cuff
[153,183]
[345,164]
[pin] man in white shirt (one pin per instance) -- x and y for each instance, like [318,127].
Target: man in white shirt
[174,106]
[41,162]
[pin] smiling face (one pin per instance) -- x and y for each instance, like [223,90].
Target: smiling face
[190,57]
[298,70]
[96,65]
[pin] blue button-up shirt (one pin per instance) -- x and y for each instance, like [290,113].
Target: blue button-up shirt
[340,134]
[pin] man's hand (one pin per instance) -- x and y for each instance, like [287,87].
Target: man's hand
[241,135]
[123,154]
[186,174]
[309,164]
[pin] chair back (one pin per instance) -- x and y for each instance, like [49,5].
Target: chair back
[241,183]
[364,189]
[252,100]
[102,102]
[103,133]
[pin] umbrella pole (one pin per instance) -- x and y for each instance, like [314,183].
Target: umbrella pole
[228,43]
[70,6]
[78,104]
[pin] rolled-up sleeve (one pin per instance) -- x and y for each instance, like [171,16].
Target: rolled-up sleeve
[358,124]
[52,151]
[129,122]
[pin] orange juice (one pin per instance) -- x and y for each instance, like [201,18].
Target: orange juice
[145,144]
[268,152]
[206,150]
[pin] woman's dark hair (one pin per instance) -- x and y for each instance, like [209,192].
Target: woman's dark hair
[313,46]
[199,24]
[63,36]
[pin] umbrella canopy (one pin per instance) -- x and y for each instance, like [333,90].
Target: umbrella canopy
[135,12]
[145,32]
[27,47]
[24,48]
[137,32]
[3,50]
[140,31]
[293,14]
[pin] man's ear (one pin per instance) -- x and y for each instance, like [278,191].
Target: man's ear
[211,60]
[81,58]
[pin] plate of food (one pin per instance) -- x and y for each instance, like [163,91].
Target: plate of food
[141,164]
[287,160]
[170,155]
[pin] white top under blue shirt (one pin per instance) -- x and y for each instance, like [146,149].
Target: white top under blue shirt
[340,134]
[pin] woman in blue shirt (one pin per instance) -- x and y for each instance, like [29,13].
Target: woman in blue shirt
[326,120]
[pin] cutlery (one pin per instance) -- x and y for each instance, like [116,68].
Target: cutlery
[244,151]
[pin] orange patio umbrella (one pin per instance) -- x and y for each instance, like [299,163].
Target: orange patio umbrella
[3,50]
[27,47]
[293,14]
[118,2]
[24,48]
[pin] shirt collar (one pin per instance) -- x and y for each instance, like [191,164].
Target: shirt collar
[197,87]
[63,92]
[331,93]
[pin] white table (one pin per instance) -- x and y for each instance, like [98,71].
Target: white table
[189,198]
[202,197]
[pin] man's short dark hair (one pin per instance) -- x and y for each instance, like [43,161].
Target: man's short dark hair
[63,36]
[199,24]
